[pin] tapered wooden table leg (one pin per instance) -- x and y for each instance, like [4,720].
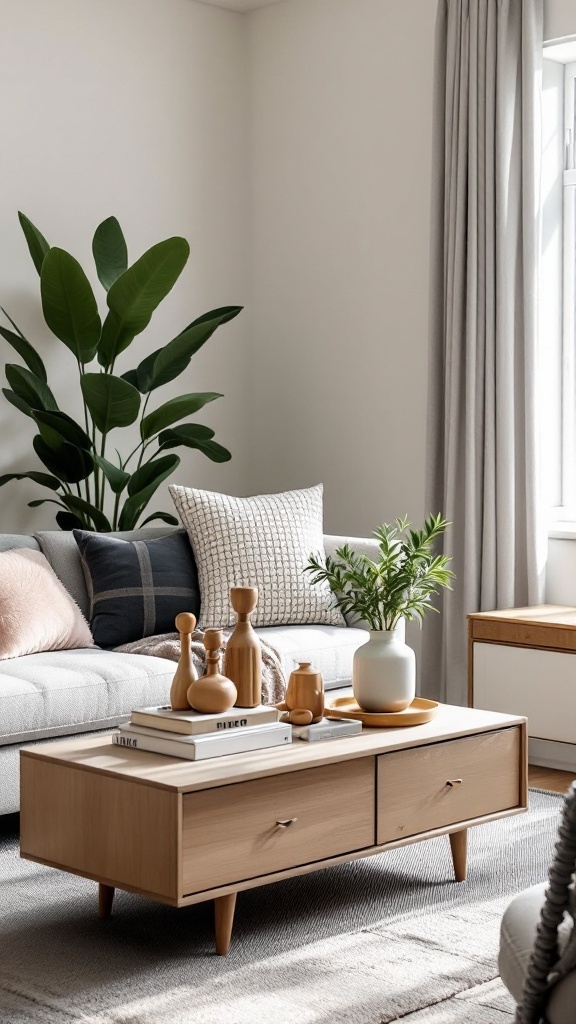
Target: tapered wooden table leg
[459,846]
[105,899]
[224,907]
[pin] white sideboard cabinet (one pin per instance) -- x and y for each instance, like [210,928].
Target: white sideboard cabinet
[523,661]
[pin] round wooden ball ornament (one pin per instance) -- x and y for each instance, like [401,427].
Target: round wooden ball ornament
[213,692]
[185,674]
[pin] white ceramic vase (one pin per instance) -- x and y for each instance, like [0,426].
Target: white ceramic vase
[384,672]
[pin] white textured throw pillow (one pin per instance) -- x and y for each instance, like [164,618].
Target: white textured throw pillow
[263,541]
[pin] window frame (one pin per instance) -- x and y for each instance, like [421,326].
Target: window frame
[566,510]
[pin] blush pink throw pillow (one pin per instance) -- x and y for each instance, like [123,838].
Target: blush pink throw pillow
[36,611]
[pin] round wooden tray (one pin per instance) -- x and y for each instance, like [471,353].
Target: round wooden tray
[420,710]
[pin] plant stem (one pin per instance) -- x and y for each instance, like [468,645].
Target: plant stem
[144,443]
[116,508]
[102,451]
[87,425]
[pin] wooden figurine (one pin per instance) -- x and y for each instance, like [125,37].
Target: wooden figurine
[243,657]
[304,701]
[185,673]
[213,692]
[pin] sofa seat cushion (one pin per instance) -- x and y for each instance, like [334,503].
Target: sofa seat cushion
[329,648]
[65,692]
[517,934]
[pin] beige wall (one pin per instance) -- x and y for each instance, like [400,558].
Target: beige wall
[139,109]
[341,122]
[559,18]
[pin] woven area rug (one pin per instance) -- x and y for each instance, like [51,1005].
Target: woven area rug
[381,939]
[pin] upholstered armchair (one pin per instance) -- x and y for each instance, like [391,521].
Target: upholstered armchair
[538,937]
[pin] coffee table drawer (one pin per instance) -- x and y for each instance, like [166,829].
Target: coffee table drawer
[415,793]
[234,833]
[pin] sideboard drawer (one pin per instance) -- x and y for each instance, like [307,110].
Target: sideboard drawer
[231,833]
[414,794]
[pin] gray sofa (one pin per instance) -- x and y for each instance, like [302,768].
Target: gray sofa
[74,692]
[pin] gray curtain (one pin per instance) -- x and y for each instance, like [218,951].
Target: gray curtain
[482,465]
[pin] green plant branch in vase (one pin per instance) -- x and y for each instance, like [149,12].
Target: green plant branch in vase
[399,584]
[91,491]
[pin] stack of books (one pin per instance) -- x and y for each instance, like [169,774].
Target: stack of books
[196,736]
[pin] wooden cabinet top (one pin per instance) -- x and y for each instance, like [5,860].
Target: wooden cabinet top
[544,626]
[541,614]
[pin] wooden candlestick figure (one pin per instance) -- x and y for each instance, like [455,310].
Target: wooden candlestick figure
[185,673]
[213,692]
[243,657]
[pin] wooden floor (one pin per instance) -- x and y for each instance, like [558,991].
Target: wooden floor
[550,778]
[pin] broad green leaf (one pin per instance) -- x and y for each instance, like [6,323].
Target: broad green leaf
[44,501]
[65,427]
[184,434]
[68,521]
[132,377]
[111,401]
[150,476]
[115,476]
[88,511]
[69,305]
[68,463]
[173,359]
[17,402]
[52,438]
[173,410]
[110,252]
[26,352]
[39,478]
[164,516]
[135,295]
[28,386]
[168,362]
[142,376]
[153,472]
[187,437]
[213,451]
[37,244]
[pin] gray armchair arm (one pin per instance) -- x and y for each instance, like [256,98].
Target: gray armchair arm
[360,546]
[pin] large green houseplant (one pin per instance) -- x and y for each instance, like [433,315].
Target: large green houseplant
[398,584]
[93,490]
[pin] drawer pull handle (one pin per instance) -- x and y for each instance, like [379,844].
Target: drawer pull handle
[454,782]
[286,823]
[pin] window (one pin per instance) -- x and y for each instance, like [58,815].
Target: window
[568,496]
[558,283]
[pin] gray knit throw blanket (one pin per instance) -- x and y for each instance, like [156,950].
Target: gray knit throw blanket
[546,966]
[167,645]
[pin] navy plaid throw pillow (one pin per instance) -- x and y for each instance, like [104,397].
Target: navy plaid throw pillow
[137,588]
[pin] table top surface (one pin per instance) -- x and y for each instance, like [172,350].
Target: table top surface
[99,754]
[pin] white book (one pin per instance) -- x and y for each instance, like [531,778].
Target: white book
[327,730]
[193,723]
[196,748]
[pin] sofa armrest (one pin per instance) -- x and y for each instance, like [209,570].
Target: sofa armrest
[360,545]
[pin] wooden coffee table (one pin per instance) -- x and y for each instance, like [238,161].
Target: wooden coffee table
[182,832]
